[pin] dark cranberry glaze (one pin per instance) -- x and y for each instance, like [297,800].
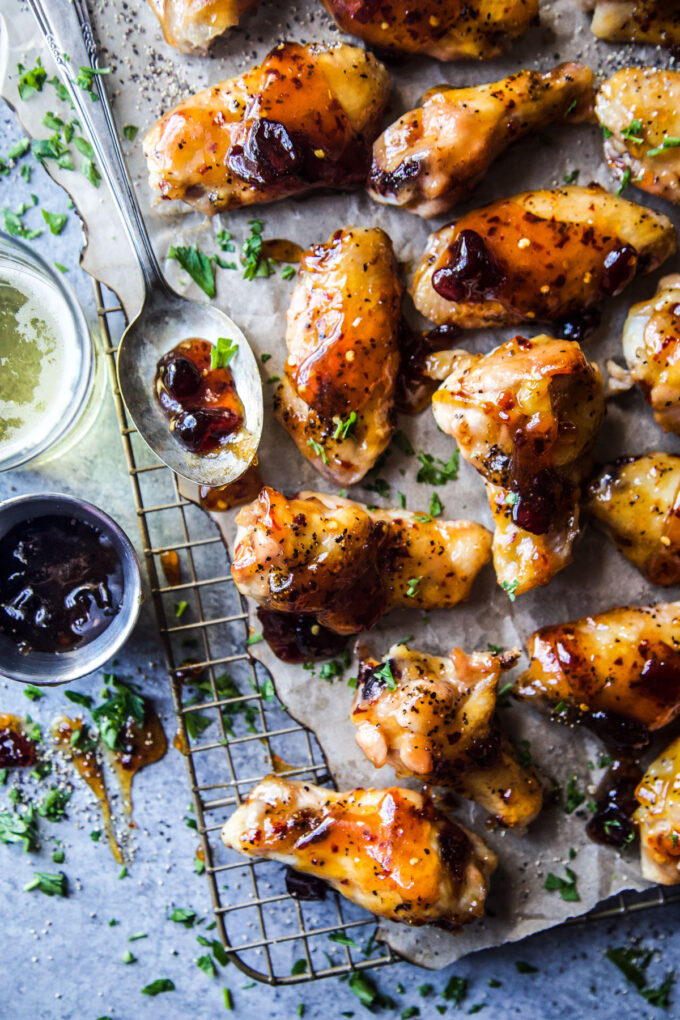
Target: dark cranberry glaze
[299,638]
[472,273]
[615,801]
[16,750]
[200,402]
[305,887]
[578,326]
[268,154]
[539,502]
[414,388]
[619,269]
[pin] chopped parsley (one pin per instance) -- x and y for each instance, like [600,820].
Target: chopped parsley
[412,586]
[50,885]
[86,77]
[572,177]
[255,263]
[510,588]
[254,639]
[127,957]
[565,886]
[222,352]
[434,471]
[525,968]
[386,675]
[31,81]
[287,273]
[197,264]
[669,142]
[32,693]
[53,806]
[345,428]
[181,915]
[299,967]
[342,939]
[625,180]
[633,961]
[205,963]
[574,797]
[20,827]
[55,221]
[130,131]
[436,505]
[455,990]
[403,443]
[120,706]
[633,133]
[523,753]
[318,450]
[159,986]
[607,132]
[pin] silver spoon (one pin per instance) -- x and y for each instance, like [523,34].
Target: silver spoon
[165,317]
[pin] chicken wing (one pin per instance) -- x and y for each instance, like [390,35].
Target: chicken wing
[337,397]
[346,565]
[658,817]
[444,29]
[304,118]
[539,256]
[526,417]
[619,671]
[651,345]
[435,720]
[432,157]
[391,851]
[638,21]
[639,110]
[636,500]
[192,25]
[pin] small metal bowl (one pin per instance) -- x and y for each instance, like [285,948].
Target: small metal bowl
[61,667]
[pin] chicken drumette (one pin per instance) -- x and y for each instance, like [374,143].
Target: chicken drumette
[337,397]
[332,558]
[539,256]
[445,29]
[304,118]
[433,157]
[636,500]
[435,719]
[651,345]
[638,21]
[658,817]
[639,110]
[526,417]
[192,25]
[391,851]
[618,671]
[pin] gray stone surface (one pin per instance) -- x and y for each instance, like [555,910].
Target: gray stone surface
[62,958]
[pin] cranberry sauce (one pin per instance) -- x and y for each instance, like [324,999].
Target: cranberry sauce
[200,402]
[414,387]
[16,750]
[472,273]
[615,802]
[305,887]
[299,638]
[61,583]
[269,153]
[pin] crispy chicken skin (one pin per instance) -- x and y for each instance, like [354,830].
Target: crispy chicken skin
[637,21]
[432,157]
[640,108]
[444,29]
[636,500]
[658,817]
[327,556]
[435,720]
[192,25]
[526,417]
[337,397]
[539,256]
[305,117]
[651,345]
[621,664]
[391,851]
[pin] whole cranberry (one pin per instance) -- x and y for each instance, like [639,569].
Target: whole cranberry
[472,272]
[619,269]
[181,378]
[205,428]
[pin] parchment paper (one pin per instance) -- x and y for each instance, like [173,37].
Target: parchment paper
[148,78]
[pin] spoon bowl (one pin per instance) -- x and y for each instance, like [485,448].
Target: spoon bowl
[164,321]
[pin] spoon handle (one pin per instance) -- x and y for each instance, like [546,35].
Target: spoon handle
[68,32]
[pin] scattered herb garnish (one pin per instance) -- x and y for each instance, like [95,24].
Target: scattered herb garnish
[197,264]
[254,639]
[571,178]
[255,264]
[385,673]
[222,352]
[345,428]
[525,968]
[669,142]
[33,693]
[510,588]
[434,471]
[130,131]
[565,886]
[19,827]
[455,990]
[50,885]
[53,806]
[118,708]
[158,986]
[55,221]
[574,796]
[625,180]
[318,450]
[412,586]
[342,939]
[633,132]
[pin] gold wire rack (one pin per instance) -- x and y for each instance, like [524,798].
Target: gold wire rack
[233,728]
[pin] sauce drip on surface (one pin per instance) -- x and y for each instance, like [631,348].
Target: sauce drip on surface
[200,402]
[226,497]
[16,750]
[304,887]
[612,822]
[299,638]
[142,745]
[61,583]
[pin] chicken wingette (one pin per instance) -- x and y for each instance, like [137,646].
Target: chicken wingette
[192,25]
[658,817]
[651,346]
[637,21]
[391,851]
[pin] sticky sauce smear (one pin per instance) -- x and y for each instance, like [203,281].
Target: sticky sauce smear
[142,745]
[16,750]
[67,735]
[226,497]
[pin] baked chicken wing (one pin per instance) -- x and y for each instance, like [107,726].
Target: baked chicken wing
[526,417]
[639,110]
[432,157]
[435,720]
[618,671]
[327,556]
[636,500]
[651,345]
[337,396]
[444,29]
[637,21]
[391,851]
[658,817]
[548,256]
[192,25]
[305,117]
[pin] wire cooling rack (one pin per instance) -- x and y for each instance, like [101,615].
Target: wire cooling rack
[233,728]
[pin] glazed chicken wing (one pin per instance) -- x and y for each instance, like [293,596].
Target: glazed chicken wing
[658,817]
[638,21]
[327,556]
[192,25]
[432,157]
[391,851]
[619,671]
[636,500]
[526,417]
[444,29]
[639,110]
[304,118]
[651,345]
[435,720]
[540,256]
[337,397]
